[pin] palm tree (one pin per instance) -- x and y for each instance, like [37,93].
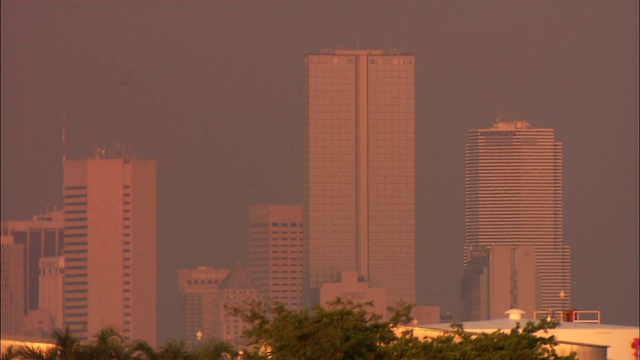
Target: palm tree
[109,345]
[66,344]
[141,350]
[9,354]
[216,349]
[28,352]
[175,350]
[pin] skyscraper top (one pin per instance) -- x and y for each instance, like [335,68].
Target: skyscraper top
[510,123]
[118,150]
[339,51]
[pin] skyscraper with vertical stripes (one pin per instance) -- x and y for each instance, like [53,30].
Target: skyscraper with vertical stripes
[514,197]
[359,170]
[110,245]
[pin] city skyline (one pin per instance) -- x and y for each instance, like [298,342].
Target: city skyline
[215,107]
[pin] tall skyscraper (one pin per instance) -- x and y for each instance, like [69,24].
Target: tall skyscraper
[199,288]
[41,236]
[275,253]
[514,197]
[110,244]
[359,170]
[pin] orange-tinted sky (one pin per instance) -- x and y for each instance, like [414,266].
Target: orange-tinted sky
[214,91]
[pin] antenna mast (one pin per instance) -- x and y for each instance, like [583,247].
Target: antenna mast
[64,138]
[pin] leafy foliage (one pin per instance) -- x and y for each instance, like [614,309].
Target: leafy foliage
[345,330]
[109,344]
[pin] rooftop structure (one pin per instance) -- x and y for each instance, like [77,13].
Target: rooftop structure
[592,341]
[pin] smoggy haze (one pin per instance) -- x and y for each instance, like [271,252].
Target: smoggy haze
[214,91]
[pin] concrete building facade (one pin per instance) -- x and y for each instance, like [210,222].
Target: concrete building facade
[514,198]
[497,278]
[50,288]
[275,253]
[349,288]
[110,245]
[359,170]
[199,288]
[236,290]
[41,236]
[12,286]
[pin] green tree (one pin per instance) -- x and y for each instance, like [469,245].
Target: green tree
[345,330]
[215,349]
[109,344]
[67,346]
[30,352]
[175,350]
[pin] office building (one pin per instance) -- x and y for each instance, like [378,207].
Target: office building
[50,288]
[499,277]
[41,236]
[275,253]
[235,291]
[12,286]
[350,289]
[110,244]
[199,288]
[514,198]
[359,170]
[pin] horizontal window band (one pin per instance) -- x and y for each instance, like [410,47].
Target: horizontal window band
[80,203]
[75,187]
[71,196]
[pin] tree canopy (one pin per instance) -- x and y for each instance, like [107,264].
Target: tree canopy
[341,331]
[108,344]
[346,330]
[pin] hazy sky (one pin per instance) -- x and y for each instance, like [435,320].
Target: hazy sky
[214,91]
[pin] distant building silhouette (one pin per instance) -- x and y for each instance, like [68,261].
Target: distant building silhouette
[514,198]
[42,236]
[359,170]
[349,288]
[275,253]
[423,314]
[236,290]
[12,286]
[199,288]
[110,244]
[499,277]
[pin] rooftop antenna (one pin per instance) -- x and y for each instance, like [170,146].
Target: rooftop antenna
[64,137]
